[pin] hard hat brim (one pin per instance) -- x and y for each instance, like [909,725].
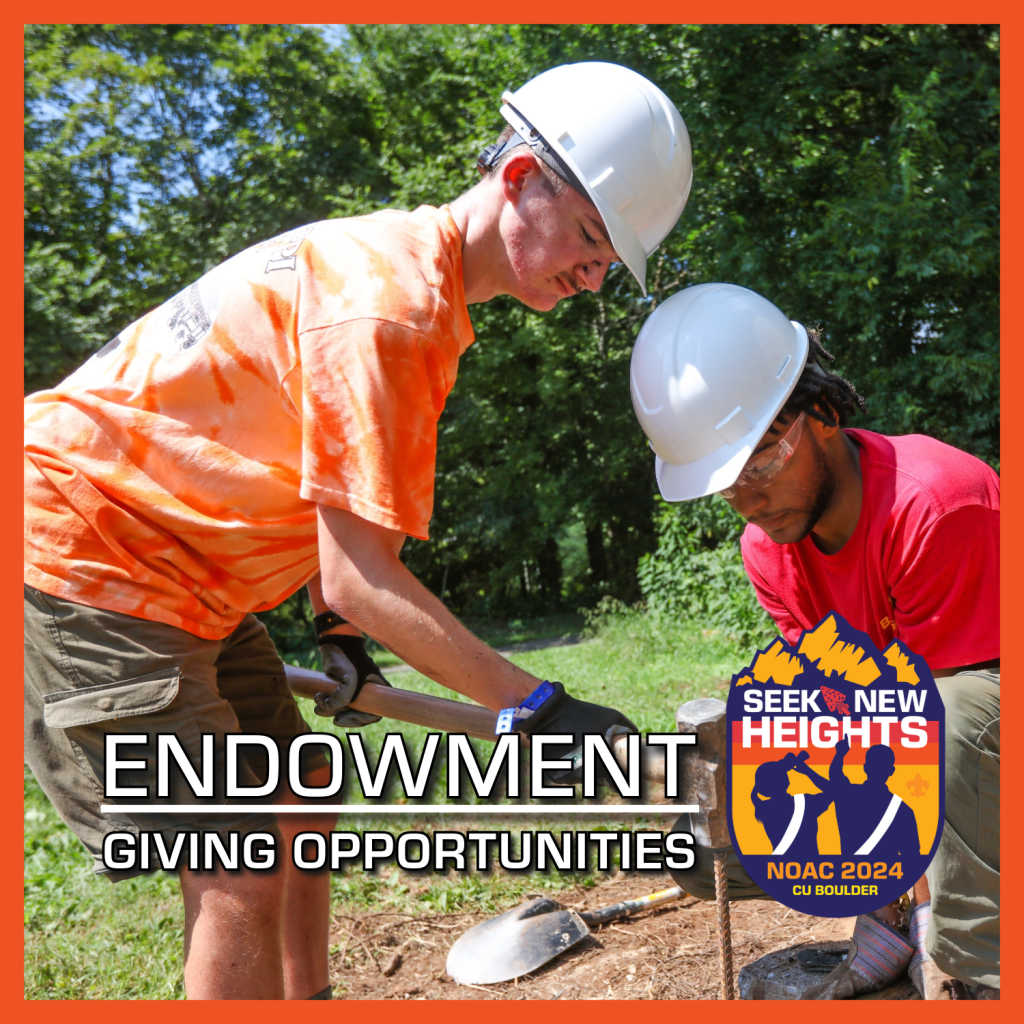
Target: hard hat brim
[706,476]
[624,241]
[691,480]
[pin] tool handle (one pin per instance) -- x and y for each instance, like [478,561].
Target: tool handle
[628,907]
[441,713]
[403,705]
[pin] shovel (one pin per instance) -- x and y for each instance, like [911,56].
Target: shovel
[523,939]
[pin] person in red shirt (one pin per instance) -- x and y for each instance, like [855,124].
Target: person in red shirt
[899,535]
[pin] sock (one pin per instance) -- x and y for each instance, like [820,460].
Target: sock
[919,918]
[327,993]
[882,951]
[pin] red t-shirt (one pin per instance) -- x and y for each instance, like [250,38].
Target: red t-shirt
[922,564]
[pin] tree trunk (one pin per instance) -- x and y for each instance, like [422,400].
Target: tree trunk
[550,573]
[596,555]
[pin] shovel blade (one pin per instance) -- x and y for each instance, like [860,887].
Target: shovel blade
[515,943]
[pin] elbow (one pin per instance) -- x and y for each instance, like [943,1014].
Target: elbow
[345,596]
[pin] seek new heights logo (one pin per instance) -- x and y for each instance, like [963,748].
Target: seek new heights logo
[835,770]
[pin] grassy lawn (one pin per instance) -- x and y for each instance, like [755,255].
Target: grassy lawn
[88,939]
[502,633]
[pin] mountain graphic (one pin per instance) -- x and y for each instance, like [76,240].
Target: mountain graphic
[838,651]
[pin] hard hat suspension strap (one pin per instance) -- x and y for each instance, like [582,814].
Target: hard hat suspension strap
[493,153]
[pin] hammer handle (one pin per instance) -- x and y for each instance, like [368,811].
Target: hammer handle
[403,705]
[439,713]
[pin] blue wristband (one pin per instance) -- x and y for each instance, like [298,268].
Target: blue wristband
[509,718]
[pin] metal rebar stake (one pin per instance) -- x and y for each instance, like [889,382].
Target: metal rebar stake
[724,925]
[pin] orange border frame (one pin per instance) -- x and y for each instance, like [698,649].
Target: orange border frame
[316,11]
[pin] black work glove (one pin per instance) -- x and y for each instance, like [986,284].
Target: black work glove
[561,713]
[345,660]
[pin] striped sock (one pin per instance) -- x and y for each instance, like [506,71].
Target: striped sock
[882,952]
[919,918]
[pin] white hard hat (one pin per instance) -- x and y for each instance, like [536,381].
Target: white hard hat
[622,138]
[711,369]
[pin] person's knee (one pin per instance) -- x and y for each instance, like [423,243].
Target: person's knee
[252,898]
[971,702]
[318,776]
[255,911]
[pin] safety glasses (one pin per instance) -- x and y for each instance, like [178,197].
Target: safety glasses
[762,469]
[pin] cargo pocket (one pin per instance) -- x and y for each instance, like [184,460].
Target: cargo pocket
[108,702]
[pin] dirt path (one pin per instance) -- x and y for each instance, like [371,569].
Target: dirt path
[668,953]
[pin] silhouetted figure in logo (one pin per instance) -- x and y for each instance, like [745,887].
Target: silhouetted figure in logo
[872,820]
[791,820]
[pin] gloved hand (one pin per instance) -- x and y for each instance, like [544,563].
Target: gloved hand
[561,713]
[345,660]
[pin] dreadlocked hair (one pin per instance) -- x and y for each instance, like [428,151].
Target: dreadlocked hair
[827,397]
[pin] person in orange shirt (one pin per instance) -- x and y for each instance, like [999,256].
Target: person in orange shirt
[274,425]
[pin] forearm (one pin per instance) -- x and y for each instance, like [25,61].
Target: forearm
[316,596]
[364,580]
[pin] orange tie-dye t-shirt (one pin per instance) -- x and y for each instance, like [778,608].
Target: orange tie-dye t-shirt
[175,475]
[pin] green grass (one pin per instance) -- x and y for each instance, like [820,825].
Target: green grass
[503,632]
[86,938]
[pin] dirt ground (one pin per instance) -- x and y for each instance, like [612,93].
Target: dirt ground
[670,952]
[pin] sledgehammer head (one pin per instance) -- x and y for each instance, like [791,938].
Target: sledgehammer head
[703,769]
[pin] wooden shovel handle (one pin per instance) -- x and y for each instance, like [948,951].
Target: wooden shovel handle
[404,705]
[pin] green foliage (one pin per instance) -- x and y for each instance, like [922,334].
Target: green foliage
[848,173]
[696,574]
[154,152]
[852,177]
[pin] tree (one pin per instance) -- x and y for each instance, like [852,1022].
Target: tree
[852,177]
[848,173]
[155,152]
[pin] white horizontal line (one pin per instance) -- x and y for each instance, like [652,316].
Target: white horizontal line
[453,809]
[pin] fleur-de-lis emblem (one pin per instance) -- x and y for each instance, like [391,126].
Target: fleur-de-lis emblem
[917,785]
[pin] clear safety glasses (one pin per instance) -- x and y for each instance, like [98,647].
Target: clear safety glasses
[761,469]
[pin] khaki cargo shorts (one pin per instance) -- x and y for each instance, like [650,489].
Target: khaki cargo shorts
[90,672]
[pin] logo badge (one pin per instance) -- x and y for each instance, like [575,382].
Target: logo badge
[835,770]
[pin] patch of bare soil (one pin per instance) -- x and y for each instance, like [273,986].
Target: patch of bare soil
[670,952]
